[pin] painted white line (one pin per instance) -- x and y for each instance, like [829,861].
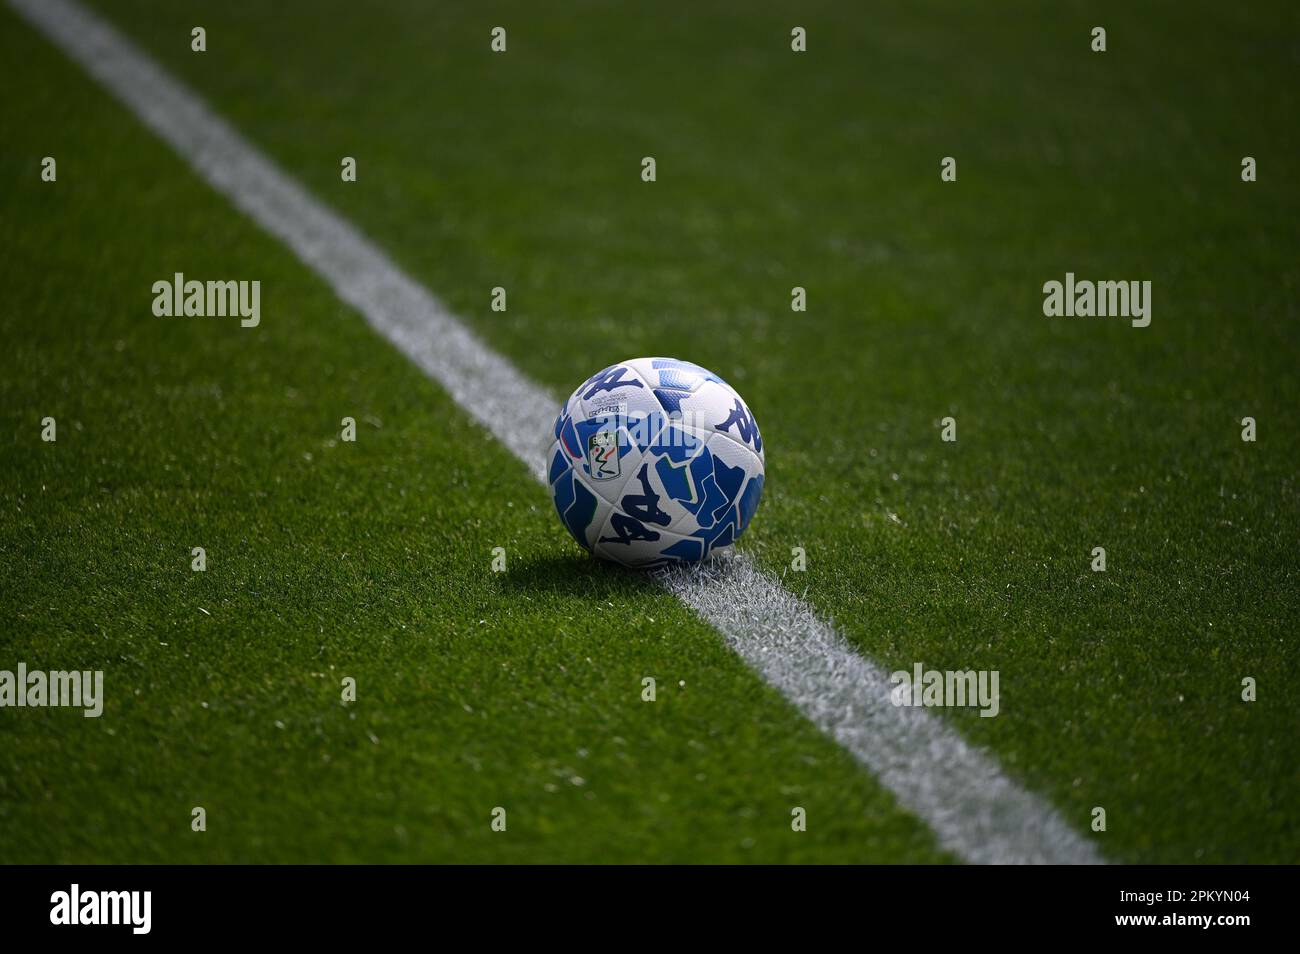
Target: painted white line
[976,812]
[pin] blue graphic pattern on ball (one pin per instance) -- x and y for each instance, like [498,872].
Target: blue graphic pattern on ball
[655,462]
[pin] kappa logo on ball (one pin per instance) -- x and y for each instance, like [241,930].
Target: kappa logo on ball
[602,455]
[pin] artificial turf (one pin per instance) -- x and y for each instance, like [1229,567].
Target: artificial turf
[775,169]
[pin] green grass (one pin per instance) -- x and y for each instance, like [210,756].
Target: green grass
[775,169]
[475,690]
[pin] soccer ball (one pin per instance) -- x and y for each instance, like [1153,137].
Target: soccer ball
[655,462]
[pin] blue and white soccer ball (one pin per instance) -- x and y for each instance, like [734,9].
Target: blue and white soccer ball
[655,462]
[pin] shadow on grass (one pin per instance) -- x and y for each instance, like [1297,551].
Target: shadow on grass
[577,575]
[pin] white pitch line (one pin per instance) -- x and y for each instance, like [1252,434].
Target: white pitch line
[975,811]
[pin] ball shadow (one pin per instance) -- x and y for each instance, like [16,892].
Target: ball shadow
[575,574]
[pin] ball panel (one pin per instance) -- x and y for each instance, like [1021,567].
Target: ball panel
[610,458]
[665,549]
[579,509]
[742,462]
[617,389]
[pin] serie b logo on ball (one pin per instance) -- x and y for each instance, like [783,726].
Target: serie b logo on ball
[602,455]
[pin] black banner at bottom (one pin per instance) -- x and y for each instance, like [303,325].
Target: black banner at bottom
[337,904]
